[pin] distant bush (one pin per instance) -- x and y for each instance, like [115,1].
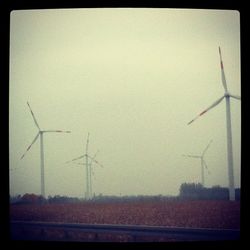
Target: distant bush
[132,198]
[62,199]
[28,199]
[15,199]
[39,199]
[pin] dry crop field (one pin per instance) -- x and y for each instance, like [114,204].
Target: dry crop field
[195,214]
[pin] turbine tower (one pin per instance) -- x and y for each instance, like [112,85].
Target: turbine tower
[227,97]
[88,168]
[40,133]
[203,163]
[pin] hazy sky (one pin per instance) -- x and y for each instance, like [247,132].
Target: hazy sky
[133,79]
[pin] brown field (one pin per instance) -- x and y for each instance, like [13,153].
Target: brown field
[196,214]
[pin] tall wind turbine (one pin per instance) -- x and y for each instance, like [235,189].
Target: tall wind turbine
[88,168]
[227,96]
[203,163]
[40,133]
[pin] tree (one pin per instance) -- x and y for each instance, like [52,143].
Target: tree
[32,199]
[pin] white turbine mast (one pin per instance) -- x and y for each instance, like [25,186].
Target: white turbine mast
[203,162]
[89,171]
[227,97]
[40,133]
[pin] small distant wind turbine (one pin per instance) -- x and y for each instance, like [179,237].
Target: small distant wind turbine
[227,96]
[91,172]
[40,133]
[203,163]
[88,168]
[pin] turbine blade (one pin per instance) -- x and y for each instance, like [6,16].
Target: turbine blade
[87,144]
[223,78]
[235,96]
[30,145]
[34,117]
[80,157]
[57,131]
[207,147]
[95,161]
[206,167]
[78,163]
[205,164]
[94,156]
[192,156]
[210,107]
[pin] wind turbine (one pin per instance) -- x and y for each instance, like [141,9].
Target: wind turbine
[227,96]
[40,133]
[88,168]
[203,163]
[91,172]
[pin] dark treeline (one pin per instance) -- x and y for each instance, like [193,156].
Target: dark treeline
[188,191]
[38,199]
[133,198]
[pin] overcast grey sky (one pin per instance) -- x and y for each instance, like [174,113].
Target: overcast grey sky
[133,79]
